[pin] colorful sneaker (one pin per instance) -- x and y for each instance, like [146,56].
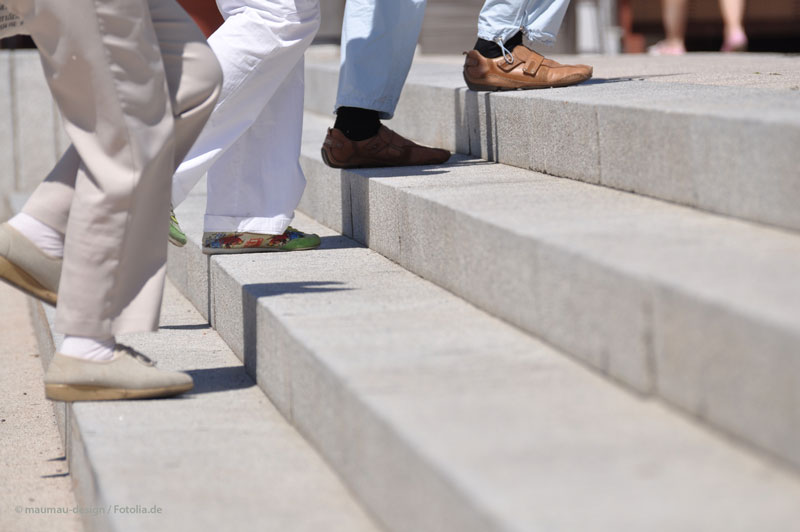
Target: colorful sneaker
[176,236]
[290,240]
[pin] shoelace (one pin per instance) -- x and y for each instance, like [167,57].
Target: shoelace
[135,354]
[507,56]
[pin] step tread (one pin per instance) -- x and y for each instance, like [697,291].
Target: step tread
[435,412]
[711,140]
[700,309]
[733,263]
[218,458]
[620,82]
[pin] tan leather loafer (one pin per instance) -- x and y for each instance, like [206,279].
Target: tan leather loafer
[523,69]
[26,267]
[387,148]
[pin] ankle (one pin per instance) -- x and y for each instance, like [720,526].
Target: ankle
[492,50]
[87,348]
[357,123]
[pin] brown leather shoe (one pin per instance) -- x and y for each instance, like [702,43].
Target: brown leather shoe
[387,148]
[525,69]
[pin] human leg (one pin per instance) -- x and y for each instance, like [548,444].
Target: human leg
[733,17]
[674,14]
[107,74]
[109,83]
[254,187]
[378,42]
[106,221]
[258,45]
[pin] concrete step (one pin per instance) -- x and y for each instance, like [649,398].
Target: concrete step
[719,133]
[700,310]
[442,418]
[218,458]
[32,136]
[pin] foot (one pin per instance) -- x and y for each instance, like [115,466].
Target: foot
[128,375]
[176,236]
[24,266]
[387,148]
[522,69]
[290,240]
[666,48]
[735,42]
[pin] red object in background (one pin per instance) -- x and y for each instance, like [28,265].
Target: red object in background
[205,14]
[632,43]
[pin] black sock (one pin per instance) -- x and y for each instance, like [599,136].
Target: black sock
[490,50]
[357,123]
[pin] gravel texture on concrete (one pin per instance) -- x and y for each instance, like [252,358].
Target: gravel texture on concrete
[441,417]
[35,490]
[220,457]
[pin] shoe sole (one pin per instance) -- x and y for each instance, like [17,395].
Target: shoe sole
[330,163]
[327,161]
[175,242]
[19,278]
[494,88]
[231,251]
[75,392]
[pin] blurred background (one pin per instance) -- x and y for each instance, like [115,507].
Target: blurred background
[591,26]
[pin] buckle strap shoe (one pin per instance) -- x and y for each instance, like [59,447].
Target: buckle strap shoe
[386,148]
[129,375]
[520,70]
[291,240]
[25,266]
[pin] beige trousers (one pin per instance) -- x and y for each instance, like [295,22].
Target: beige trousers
[135,82]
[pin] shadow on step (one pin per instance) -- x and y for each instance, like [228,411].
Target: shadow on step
[187,327]
[210,380]
[251,293]
[338,242]
[255,291]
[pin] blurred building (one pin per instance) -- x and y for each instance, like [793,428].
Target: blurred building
[604,26]
[590,26]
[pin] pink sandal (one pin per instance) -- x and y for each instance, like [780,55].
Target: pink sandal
[735,43]
[663,48]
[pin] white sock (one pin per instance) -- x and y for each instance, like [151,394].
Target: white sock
[88,348]
[43,236]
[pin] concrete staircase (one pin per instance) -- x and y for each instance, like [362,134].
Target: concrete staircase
[435,369]
[485,347]
[218,458]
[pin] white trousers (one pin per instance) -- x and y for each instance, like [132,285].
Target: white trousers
[250,146]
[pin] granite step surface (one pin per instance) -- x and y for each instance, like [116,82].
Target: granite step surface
[713,131]
[220,457]
[700,310]
[440,417]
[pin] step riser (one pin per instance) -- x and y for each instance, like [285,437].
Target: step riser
[354,440]
[442,418]
[626,327]
[84,481]
[734,160]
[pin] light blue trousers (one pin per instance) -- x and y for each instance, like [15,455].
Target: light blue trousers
[379,37]
[538,19]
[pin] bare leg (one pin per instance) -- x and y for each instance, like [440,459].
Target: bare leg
[674,13]
[732,17]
